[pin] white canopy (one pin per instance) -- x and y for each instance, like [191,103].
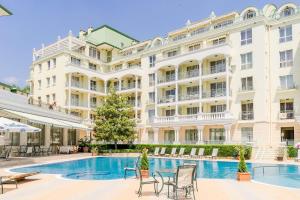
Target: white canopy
[7,125]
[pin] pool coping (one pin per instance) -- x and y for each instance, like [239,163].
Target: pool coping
[61,176]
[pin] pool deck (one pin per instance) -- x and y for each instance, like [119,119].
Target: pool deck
[46,187]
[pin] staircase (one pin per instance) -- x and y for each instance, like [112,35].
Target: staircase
[265,152]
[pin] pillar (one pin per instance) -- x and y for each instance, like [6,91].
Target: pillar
[156,92]
[69,91]
[105,87]
[23,135]
[200,135]
[89,99]
[47,135]
[144,136]
[227,83]
[65,137]
[120,84]
[227,133]
[156,132]
[176,90]
[136,97]
[177,131]
[200,86]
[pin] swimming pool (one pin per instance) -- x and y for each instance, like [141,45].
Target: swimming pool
[108,168]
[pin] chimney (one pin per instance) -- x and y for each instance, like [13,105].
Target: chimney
[90,30]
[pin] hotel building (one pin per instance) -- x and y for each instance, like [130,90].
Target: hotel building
[225,79]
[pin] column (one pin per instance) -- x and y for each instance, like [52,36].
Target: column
[144,136]
[23,135]
[105,86]
[65,137]
[200,86]
[227,133]
[156,132]
[69,92]
[227,83]
[89,98]
[177,131]
[156,92]
[200,135]
[47,135]
[176,90]
[136,97]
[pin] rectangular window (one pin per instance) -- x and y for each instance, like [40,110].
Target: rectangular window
[192,110]
[218,89]
[223,24]
[94,53]
[54,62]
[93,85]
[219,41]
[40,84]
[172,53]
[194,90]
[286,82]
[191,136]
[194,47]
[109,55]
[53,97]
[286,58]
[75,82]
[169,136]
[247,134]
[48,99]
[170,75]
[92,66]
[53,80]
[75,61]
[199,30]
[247,111]
[246,37]
[170,93]
[217,108]
[179,37]
[49,64]
[217,135]
[151,79]
[40,68]
[150,136]
[247,83]
[246,60]
[74,99]
[48,82]
[217,66]
[170,112]
[152,60]
[287,109]
[93,102]
[285,34]
[151,115]
[151,97]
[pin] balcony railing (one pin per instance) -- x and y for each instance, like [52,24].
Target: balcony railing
[210,70]
[78,103]
[196,117]
[214,93]
[97,89]
[189,74]
[247,115]
[130,86]
[76,84]
[132,103]
[168,99]
[187,97]
[287,87]
[287,114]
[166,79]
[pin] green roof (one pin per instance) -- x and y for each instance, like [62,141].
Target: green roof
[5,85]
[110,36]
[4,11]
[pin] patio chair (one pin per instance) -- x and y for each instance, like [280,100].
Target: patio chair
[162,151]
[37,150]
[195,174]
[201,153]
[173,152]
[29,151]
[22,150]
[64,150]
[156,151]
[214,153]
[5,153]
[184,180]
[298,156]
[132,169]
[181,152]
[151,180]
[192,153]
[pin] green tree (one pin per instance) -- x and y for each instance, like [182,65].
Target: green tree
[144,160]
[115,120]
[242,164]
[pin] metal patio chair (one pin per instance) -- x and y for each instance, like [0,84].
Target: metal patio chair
[132,169]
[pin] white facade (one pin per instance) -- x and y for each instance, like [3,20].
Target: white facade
[225,79]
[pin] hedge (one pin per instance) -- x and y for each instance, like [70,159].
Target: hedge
[224,150]
[292,152]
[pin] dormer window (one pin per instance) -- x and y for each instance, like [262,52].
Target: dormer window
[287,11]
[249,14]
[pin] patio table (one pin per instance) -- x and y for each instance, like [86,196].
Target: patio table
[171,173]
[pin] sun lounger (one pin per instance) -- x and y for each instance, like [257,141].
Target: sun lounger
[64,149]
[181,152]
[14,179]
[214,153]
[156,151]
[193,152]
[5,153]
[298,156]
[173,152]
[29,151]
[201,152]
[162,151]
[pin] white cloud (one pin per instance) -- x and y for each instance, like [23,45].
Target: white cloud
[11,80]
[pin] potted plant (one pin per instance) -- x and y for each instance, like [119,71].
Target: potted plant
[243,174]
[280,155]
[84,143]
[144,164]
[94,151]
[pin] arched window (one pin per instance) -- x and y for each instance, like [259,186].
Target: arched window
[287,11]
[249,14]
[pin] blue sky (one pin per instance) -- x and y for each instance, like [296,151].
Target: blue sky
[35,22]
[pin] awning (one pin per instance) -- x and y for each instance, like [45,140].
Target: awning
[76,125]
[40,119]
[7,125]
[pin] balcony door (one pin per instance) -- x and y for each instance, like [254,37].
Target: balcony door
[170,94]
[217,108]
[287,135]
[75,81]
[191,136]
[218,89]
[217,66]
[170,75]
[192,110]
[93,85]
[170,112]
[75,99]
[217,135]
[169,136]
[247,111]
[287,106]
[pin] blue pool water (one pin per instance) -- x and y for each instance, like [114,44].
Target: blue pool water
[108,168]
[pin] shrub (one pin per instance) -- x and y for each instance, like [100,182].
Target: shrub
[242,164]
[144,160]
[292,151]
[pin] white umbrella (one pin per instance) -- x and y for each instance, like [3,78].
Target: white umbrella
[7,125]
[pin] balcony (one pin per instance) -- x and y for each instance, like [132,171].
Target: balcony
[78,104]
[167,99]
[132,103]
[188,97]
[287,114]
[150,101]
[78,85]
[166,79]
[130,86]
[197,119]
[214,94]
[247,115]
[97,89]
[189,74]
[286,88]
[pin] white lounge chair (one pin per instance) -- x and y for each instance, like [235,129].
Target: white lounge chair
[298,156]
[193,152]
[181,152]
[173,152]
[162,151]
[156,151]
[214,153]
[64,150]
[201,153]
